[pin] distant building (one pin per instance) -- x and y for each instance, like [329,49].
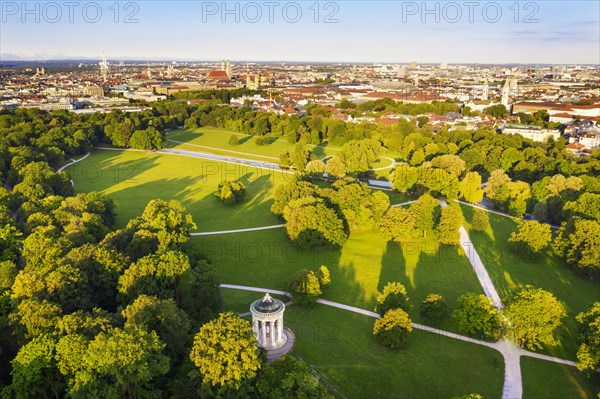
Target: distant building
[223,74]
[104,68]
[590,139]
[94,90]
[575,148]
[145,95]
[218,75]
[532,133]
[531,107]
[582,111]
[254,82]
[484,92]
[63,103]
[563,117]
[106,110]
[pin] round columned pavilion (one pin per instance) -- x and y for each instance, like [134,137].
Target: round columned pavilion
[267,322]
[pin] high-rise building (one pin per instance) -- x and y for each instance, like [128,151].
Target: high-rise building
[226,66]
[484,94]
[104,68]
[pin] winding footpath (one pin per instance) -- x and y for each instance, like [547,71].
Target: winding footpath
[512,388]
[73,161]
[212,233]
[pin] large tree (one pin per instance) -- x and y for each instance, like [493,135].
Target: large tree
[404,178]
[335,167]
[398,224]
[315,168]
[359,155]
[158,275]
[230,193]
[450,223]
[476,315]
[393,329]
[225,351]
[290,191]
[588,354]
[424,211]
[470,188]
[167,222]
[164,317]
[310,223]
[481,220]
[120,363]
[299,156]
[288,377]
[578,243]
[532,237]
[534,315]
[392,296]
[450,163]
[34,371]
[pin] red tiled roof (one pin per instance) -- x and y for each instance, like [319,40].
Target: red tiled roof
[218,75]
[574,146]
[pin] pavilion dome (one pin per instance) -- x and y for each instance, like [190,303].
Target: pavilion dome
[268,304]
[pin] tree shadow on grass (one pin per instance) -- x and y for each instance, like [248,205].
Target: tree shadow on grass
[252,211]
[244,139]
[106,173]
[320,150]
[132,200]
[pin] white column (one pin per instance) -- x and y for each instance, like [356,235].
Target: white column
[263,333]
[280,326]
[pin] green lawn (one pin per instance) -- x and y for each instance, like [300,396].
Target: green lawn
[546,380]
[133,178]
[336,343]
[216,141]
[239,301]
[549,272]
[340,347]
[364,265]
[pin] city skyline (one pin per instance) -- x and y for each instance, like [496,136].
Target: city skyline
[500,32]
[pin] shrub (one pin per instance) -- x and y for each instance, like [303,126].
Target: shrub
[434,308]
[393,329]
[230,193]
[233,140]
[393,296]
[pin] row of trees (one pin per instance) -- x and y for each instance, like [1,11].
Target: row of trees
[530,318]
[425,216]
[323,217]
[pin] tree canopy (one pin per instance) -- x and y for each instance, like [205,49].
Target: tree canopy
[225,351]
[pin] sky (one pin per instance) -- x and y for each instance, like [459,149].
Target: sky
[484,32]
